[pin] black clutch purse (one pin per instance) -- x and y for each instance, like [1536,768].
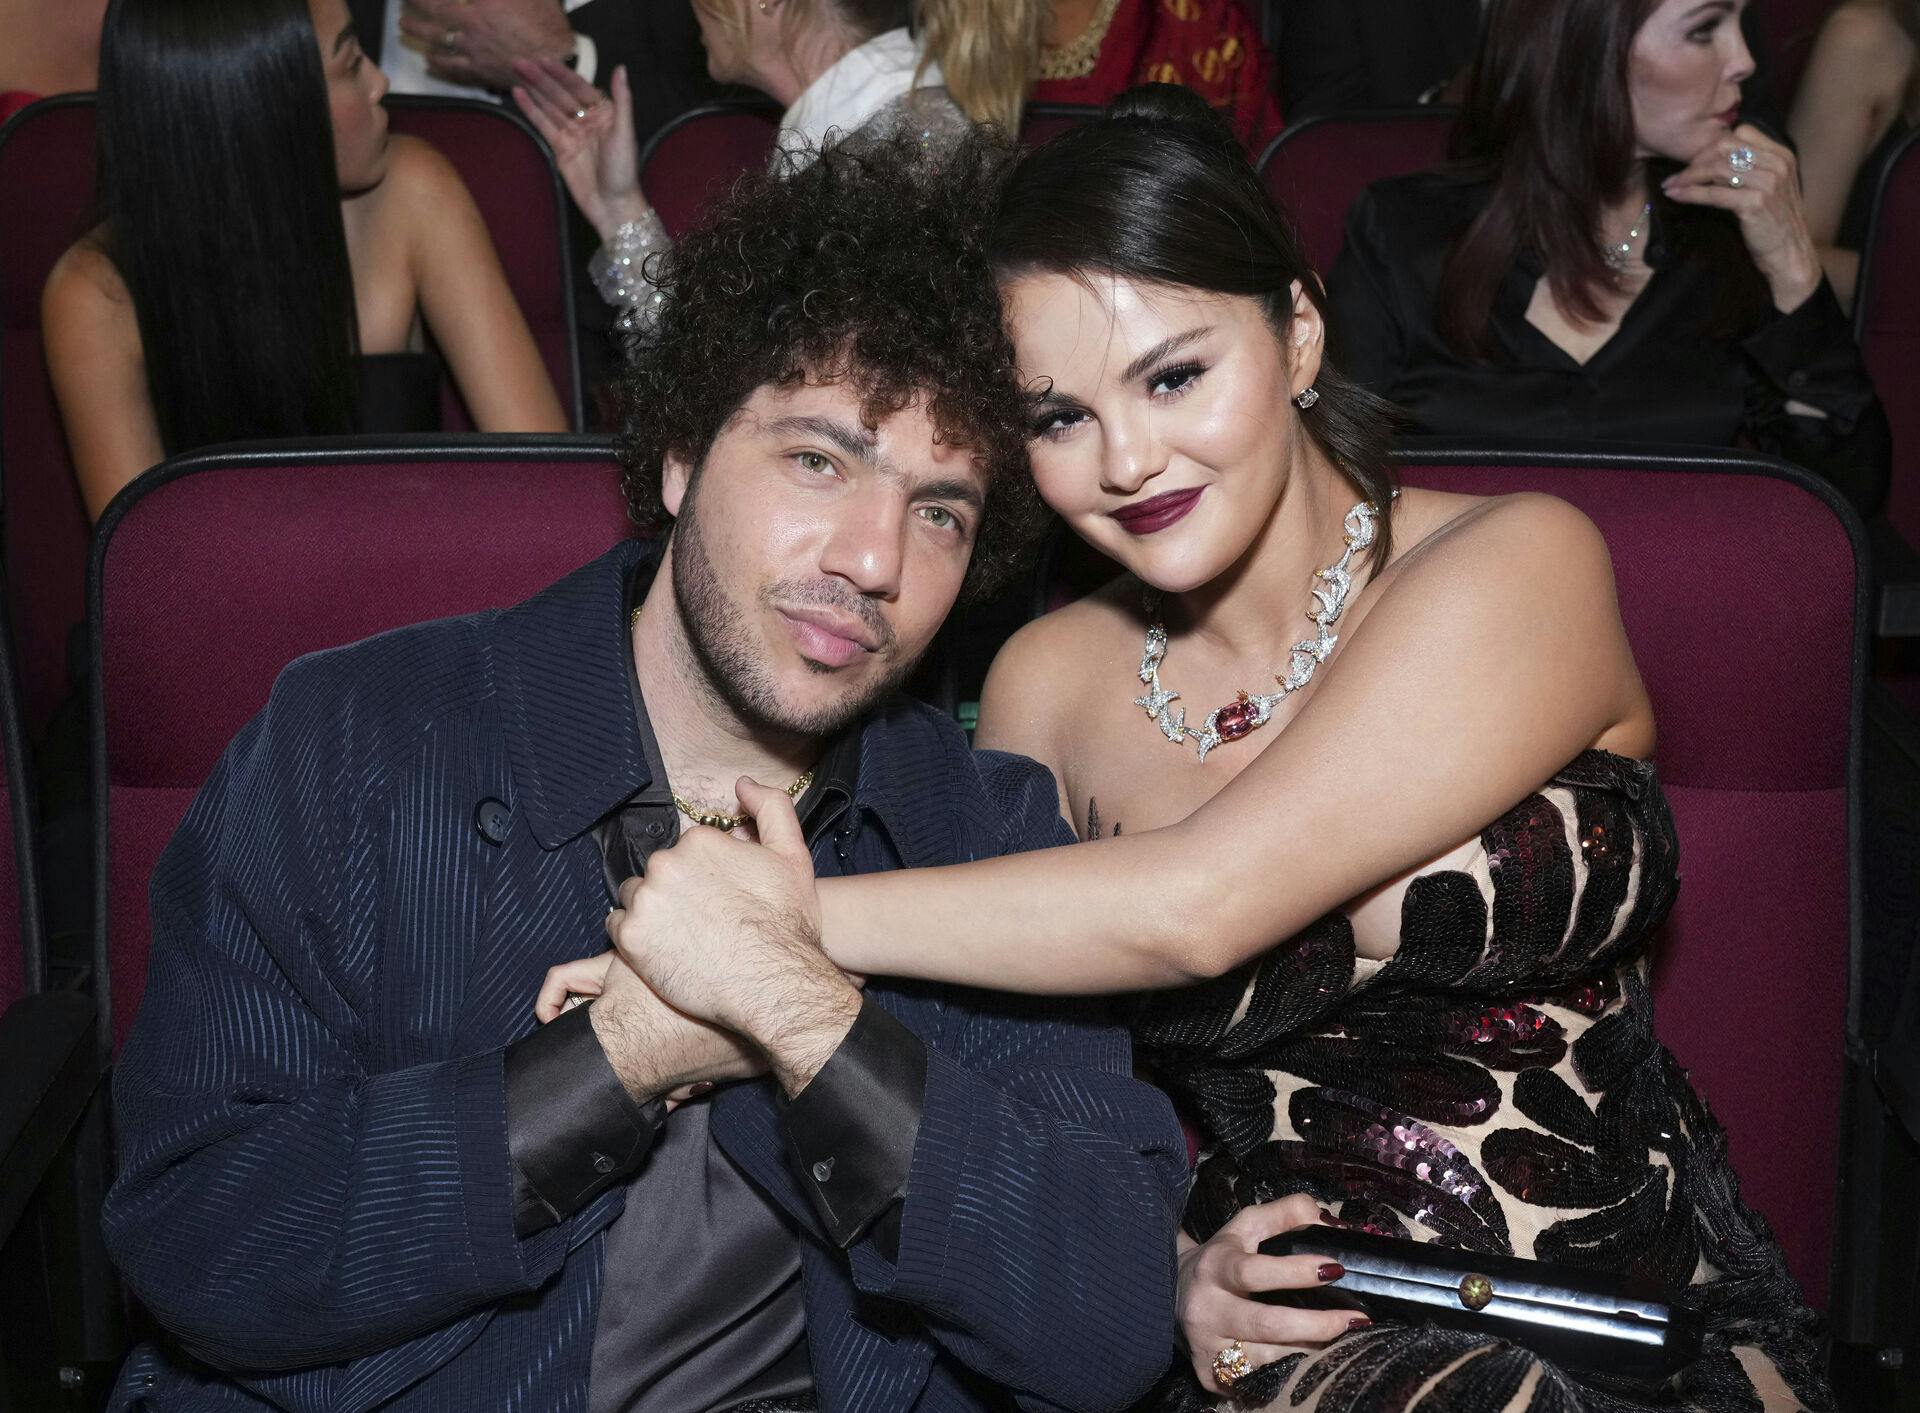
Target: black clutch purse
[1581,1319]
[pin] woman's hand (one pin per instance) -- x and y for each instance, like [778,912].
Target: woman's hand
[592,139]
[1219,1278]
[586,977]
[1766,199]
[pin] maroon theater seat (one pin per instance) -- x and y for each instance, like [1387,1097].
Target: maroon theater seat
[46,187]
[699,154]
[1887,323]
[1317,169]
[1742,585]
[507,167]
[215,571]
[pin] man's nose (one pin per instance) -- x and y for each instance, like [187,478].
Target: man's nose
[867,544]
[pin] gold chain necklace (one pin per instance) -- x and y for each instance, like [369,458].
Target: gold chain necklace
[713,819]
[1077,58]
[731,822]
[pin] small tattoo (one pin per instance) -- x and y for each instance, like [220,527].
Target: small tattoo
[1093,822]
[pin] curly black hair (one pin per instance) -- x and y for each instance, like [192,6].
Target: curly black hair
[868,264]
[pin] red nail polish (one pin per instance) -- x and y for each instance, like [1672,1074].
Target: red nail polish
[1331,1271]
[1359,1322]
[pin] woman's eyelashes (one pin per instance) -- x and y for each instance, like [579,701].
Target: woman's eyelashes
[1167,385]
[1177,381]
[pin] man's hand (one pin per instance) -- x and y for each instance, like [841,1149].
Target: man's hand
[658,1051]
[729,932]
[476,41]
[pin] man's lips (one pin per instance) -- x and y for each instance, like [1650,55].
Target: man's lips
[1157,512]
[824,636]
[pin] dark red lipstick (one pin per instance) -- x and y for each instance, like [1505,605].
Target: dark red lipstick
[1157,512]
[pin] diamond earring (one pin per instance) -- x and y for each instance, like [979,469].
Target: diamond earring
[1306,398]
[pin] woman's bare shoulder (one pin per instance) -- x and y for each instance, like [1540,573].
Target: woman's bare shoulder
[1863,46]
[85,298]
[1040,671]
[85,277]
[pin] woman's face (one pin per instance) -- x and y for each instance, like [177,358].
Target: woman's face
[741,38]
[1684,74]
[1166,431]
[355,87]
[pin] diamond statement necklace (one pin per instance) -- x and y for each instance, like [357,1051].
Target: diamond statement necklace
[1250,711]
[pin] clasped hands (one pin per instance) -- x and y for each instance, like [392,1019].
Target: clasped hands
[716,971]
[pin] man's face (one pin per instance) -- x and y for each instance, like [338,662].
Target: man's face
[813,559]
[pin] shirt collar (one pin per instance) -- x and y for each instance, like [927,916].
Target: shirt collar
[855,87]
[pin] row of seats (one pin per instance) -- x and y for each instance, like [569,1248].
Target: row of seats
[189,624]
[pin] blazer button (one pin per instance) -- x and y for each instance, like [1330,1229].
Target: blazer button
[491,817]
[602,1163]
[823,1170]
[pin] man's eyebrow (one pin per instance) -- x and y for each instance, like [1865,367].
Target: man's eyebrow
[952,488]
[340,40]
[1161,350]
[843,437]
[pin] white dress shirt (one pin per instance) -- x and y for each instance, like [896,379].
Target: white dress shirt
[859,84]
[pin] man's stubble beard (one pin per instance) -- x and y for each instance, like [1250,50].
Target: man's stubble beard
[723,648]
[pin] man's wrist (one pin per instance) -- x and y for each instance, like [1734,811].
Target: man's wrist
[801,1034]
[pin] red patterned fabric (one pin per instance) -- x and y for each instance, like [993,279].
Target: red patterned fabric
[1210,46]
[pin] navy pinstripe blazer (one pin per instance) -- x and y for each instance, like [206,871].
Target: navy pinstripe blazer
[315,1187]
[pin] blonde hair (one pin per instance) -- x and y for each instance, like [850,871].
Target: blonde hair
[988,52]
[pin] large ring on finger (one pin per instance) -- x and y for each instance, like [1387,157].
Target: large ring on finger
[1230,1365]
[1741,160]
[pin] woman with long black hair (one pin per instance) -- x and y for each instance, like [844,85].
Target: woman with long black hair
[269,262]
[1613,255]
[1390,877]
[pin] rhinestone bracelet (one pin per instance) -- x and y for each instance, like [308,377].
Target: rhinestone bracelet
[619,271]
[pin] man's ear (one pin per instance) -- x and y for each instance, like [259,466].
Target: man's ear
[1306,341]
[676,474]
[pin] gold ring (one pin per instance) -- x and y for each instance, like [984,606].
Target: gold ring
[1230,1365]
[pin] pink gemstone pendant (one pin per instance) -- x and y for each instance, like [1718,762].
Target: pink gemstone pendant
[1235,720]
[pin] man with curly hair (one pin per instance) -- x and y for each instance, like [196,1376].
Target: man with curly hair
[357,1175]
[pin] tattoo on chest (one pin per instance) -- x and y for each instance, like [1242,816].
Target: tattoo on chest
[1093,822]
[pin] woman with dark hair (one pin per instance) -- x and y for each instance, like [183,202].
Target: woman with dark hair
[269,262]
[1394,907]
[1855,106]
[1614,255]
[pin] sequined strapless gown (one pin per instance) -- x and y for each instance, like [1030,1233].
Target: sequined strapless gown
[1494,1086]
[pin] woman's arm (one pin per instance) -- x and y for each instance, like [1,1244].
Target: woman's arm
[1493,656]
[1847,98]
[92,341]
[466,302]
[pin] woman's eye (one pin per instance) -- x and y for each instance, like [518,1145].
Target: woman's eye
[1704,33]
[1175,380]
[1054,425]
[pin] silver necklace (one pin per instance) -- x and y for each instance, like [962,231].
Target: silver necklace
[1249,711]
[1619,255]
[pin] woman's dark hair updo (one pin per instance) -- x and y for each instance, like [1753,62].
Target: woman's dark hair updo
[1158,191]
